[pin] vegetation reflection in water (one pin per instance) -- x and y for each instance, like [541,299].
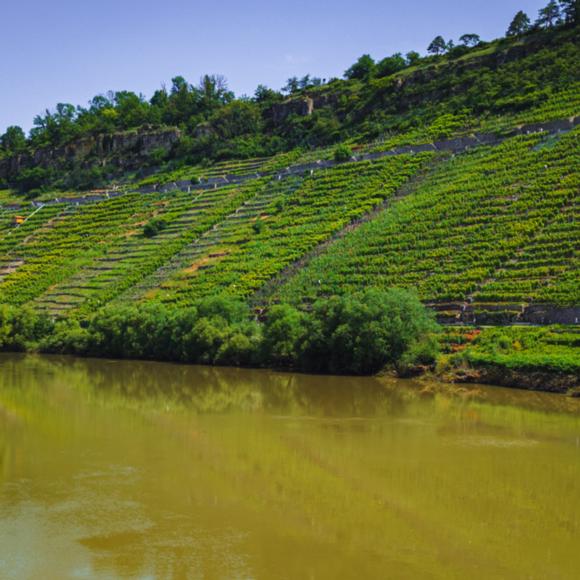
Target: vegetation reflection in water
[146,470]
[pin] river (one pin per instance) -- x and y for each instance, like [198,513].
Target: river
[123,469]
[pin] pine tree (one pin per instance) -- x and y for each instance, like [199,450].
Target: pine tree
[519,25]
[570,10]
[549,16]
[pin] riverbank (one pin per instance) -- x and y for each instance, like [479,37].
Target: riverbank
[363,334]
[532,358]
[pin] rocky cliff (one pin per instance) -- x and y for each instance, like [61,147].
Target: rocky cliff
[124,150]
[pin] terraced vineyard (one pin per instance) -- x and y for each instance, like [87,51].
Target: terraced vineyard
[543,269]
[214,244]
[248,249]
[218,170]
[132,256]
[495,225]
[487,231]
[58,248]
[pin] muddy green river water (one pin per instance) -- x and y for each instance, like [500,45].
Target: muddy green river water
[143,470]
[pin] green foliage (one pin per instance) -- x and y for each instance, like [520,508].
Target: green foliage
[496,226]
[437,46]
[235,260]
[499,224]
[570,10]
[342,153]
[235,119]
[391,64]
[212,331]
[547,349]
[85,178]
[21,328]
[258,226]
[519,25]
[549,16]
[284,335]
[13,141]
[92,253]
[396,96]
[33,179]
[363,333]
[470,39]
[153,227]
[412,58]
[364,68]
[358,335]
[446,125]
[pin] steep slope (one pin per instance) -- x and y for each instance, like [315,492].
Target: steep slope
[481,234]
[494,229]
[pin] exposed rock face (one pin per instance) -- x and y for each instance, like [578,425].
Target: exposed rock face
[302,106]
[124,150]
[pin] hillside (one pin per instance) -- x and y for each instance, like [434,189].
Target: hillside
[472,203]
[486,232]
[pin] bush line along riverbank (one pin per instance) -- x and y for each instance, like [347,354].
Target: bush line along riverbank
[362,334]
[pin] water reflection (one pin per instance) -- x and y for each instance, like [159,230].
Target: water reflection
[143,470]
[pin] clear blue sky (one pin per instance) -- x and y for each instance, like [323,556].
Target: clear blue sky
[70,50]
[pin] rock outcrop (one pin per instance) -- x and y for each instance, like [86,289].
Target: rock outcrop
[302,106]
[124,150]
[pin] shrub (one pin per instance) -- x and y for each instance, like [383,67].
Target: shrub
[258,226]
[342,153]
[153,227]
[354,335]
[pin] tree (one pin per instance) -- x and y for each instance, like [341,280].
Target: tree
[304,82]
[570,10]
[412,58]
[519,25]
[183,102]
[307,81]
[362,333]
[55,128]
[214,92]
[154,226]
[470,39]
[236,118]
[284,333]
[292,85]
[549,16]
[14,140]
[362,69]
[159,99]
[265,95]
[391,64]
[133,109]
[437,46]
